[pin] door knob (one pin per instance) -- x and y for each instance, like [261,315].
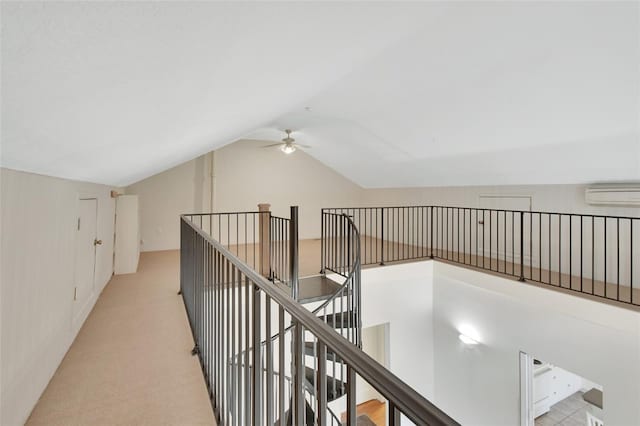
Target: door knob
[97,242]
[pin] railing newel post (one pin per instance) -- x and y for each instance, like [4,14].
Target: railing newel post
[264,225]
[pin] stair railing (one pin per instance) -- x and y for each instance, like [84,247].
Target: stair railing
[309,391]
[232,308]
[341,311]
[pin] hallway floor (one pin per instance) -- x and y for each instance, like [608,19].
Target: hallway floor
[131,362]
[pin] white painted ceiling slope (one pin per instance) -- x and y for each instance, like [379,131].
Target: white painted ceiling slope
[417,94]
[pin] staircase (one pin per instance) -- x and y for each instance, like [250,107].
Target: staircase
[333,384]
[338,296]
[288,356]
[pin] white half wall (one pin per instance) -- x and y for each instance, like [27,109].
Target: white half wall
[39,225]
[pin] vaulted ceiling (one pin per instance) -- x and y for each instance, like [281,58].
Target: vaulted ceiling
[388,94]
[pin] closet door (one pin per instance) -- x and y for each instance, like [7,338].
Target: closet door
[85,255]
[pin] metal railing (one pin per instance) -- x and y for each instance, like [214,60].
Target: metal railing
[238,232]
[341,311]
[590,254]
[258,238]
[279,237]
[232,308]
[343,257]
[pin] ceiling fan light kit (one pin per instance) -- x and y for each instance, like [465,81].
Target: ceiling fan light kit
[288,144]
[288,148]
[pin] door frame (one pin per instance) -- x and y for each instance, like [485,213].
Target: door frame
[526,389]
[79,315]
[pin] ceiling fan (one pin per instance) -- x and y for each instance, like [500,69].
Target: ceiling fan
[288,144]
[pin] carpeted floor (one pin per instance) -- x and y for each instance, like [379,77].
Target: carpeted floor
[131,363]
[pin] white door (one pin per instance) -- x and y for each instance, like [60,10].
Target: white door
[499,233]
[86,238]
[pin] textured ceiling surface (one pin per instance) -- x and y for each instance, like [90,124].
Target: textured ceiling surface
[388,94]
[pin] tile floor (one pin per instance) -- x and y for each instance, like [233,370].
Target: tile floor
[571,411]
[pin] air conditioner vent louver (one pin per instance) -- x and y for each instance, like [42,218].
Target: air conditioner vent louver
[613,195]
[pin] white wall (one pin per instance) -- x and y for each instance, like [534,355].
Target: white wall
[588,338]
[162,199]
[553,198]
[127,238]
[373,344]
[401,295]
[245,174]
[480,385]
[39,220]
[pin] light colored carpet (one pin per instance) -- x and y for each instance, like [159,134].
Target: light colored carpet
[131,363]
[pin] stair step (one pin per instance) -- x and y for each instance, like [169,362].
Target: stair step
[341,319]
[310,349]
[316,288]
[335,387]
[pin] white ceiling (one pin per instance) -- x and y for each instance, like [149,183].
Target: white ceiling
[400,94]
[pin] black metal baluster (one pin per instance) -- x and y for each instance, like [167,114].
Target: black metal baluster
[236,347]
[631,259]
[513,244]
[560,250]
[531,245]
[549,265]
[618,258]
[593,255]
[521,246]
[247,352]
[581,253]
[605,257]
[281,359]
[382,228]
[540,246]
[431,234]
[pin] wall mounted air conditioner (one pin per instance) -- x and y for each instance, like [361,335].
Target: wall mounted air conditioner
[624,195]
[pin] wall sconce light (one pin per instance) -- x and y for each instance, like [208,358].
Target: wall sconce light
[468,335]
[467,340]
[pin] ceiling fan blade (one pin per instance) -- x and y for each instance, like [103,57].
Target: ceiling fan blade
[303,145]
[272,145]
